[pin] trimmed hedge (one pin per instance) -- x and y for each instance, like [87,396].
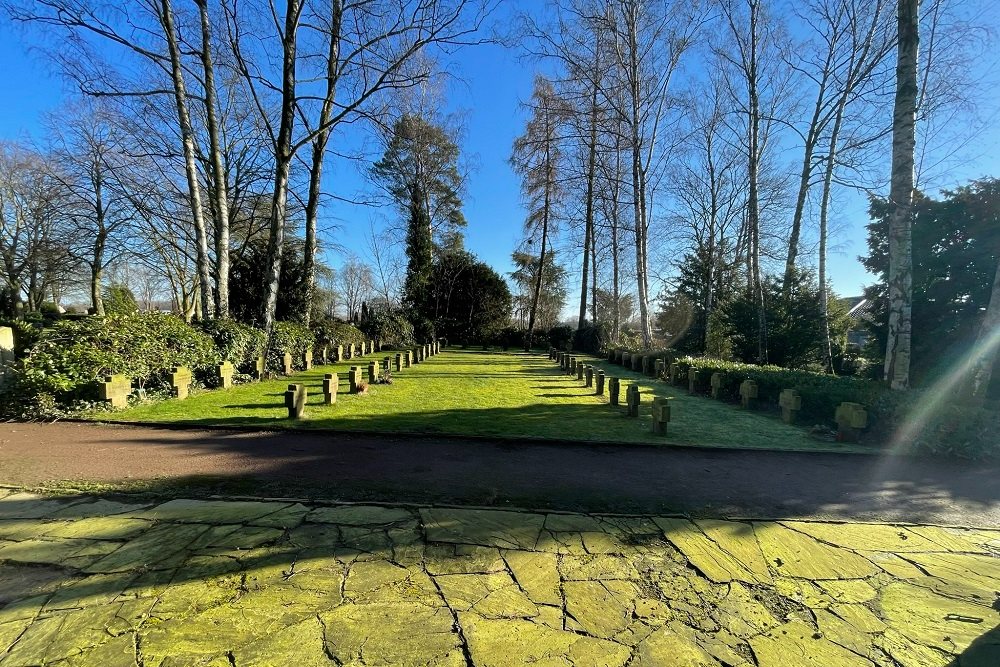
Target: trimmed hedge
[236,342]
[290,337]
[333,332]
[390,329]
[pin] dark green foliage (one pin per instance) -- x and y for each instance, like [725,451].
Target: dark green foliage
[951,430]
[794,324]
[592,338]
[236,342]
[560,337]
[119,300]
[329,331]
[248,283]
[71,355]
[469,301]
[388,327]
[419,260]
[25,334]
[290,337]
[510,337]
[956,247]
[683,315]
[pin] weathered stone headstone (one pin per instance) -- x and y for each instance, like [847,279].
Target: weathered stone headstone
[614,390]
[748,394]
[115,390]
[418,354]
[636,362]
[661,415]
[675,373]
[372,372]
[224,372]
[693,384]
[658,369]
[716,385]
[386,364]
[6,345]
[851,418]
[286,364]
[600,384]
[330,386]
[407,359]
[354,379]
[427,350]
[579,370]
[372,348]
[338,353]
[589,373]
[644,363]
[180,382]
[398,362]
[632,400]
[258,368]
[307,359]
[295,400]
[791,403]
[437,347]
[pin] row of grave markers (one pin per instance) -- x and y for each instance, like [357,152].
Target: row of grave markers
[851,418]
[115,389]
[296,395]
[596,377]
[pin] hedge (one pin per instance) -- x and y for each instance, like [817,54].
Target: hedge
[329,331]
[290,337]
[236,342]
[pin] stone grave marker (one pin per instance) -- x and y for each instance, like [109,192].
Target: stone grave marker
[636,362]
[851,418]
[579,370]
[589,373]
[295,400]
[748,394]
[386,364]
[599,391]
[372,348]
[398,362]
[258,368]
[644,364]
[338,353]
[330,386]
[632,398]
[716,385]
[307,359]
[693,385]
[791,403]
[658,370]
[661,415]
[224,372]
[674,373]
[372,372]
[407,359]
[115,390]
[614,389]
[428,350]
[180,382]
[354,379]
[286,364]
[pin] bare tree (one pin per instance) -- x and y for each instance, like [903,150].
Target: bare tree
[900,276]
[356,286]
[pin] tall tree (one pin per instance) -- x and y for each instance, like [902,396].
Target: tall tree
[537,157]
[900,276]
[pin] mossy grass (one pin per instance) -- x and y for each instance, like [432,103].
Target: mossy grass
[486,394]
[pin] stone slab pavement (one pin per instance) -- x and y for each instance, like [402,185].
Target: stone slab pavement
[110,582]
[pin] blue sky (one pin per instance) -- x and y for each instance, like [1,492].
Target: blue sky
[490,84]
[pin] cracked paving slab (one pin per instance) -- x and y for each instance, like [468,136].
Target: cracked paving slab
[87,581]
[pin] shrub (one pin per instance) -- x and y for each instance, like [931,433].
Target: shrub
[69,356]
[25,334]
[592,338]
[510,337]
[560,337]
[965,431]
[387,327]
[290,337]
[236,342]
[329,331]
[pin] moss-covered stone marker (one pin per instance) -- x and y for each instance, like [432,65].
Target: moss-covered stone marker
[180,382]
[632,399]
[115,390]
[791,403]
[716,384]
[295,400]
[599,390]
[693,385]
[614,390]
[224,372]
[675,373]
[851,418]
[661,415]
[748,394]
[330,386]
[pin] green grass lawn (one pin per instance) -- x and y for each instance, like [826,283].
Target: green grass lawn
[469,392]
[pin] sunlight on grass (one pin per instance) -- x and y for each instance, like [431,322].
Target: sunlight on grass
[468,392]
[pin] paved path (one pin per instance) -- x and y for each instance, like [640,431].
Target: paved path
[99,582]
[634,479]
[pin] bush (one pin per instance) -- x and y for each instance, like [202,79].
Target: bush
[70,356]
[290,337]
[236,342]
[333,332]
[593,339]
[25,334]
[389,328]
[559,337]
[965,431]
[510,337]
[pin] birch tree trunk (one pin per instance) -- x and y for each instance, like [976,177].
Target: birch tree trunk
[190,163]
[900,277]
[220,186]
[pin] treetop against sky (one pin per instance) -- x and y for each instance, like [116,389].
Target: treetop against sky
[487,87]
